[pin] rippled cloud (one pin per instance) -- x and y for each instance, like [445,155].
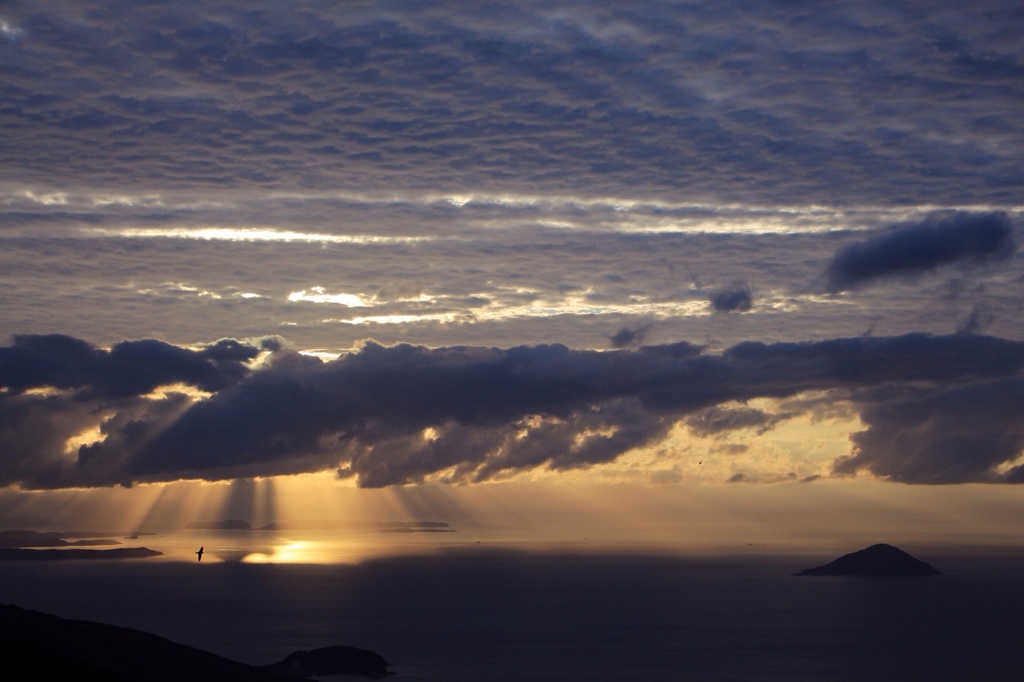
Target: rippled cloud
[773,103]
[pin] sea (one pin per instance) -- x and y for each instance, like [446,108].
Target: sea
[441,609]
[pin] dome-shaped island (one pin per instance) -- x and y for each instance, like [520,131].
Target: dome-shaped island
[876,560]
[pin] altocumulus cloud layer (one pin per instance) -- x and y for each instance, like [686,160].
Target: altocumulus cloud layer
[521,284]
[937,409]
[761,103]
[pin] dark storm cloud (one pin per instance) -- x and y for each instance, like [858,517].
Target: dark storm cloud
[736,297]
[58,386]
[129,368]
[947,436]
[394,415]
[770,102]
[916,248]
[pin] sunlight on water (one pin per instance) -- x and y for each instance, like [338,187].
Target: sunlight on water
[294,553]
[347,546]
[317,519]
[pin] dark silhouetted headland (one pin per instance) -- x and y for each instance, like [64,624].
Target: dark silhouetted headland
[876,560]
[18,545]
[333,660]
[19,554]
[31,538]
[58,648]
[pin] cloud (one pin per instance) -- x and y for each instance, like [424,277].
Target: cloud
[912,249]
[980,318]
[594,98]
[631,337]
[403,414]
[9,32]
[729,448]
[737,297]
[518,284]
[671,475]
[130,368]
[957,435]
[514,174]
[719,419]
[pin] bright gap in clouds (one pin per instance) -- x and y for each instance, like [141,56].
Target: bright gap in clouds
[631,217]
[483,211]
[10,32]
[495,311]
[253,234]
[568,306]
[319,294]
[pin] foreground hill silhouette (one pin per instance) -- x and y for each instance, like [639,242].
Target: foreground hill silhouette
[59,648]
[878,560]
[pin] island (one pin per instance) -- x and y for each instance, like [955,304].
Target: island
[413,527]
[31,538]
[22,545]
[876,560]
[333,660]
[19,554]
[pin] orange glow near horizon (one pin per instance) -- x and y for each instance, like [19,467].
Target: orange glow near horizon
[329,520]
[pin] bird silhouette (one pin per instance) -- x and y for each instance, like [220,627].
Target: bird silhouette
[200,553]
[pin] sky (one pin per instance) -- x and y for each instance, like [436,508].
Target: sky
[696,252]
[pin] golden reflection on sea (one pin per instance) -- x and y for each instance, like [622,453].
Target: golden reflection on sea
[291,547]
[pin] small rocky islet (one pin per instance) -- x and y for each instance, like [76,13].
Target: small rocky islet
[877,560]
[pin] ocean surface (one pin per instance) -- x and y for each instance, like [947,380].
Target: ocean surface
[441,610]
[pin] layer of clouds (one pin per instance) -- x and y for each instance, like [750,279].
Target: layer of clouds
[937,409]
[912,249]
[764,104]
[478,181]
[502,287]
